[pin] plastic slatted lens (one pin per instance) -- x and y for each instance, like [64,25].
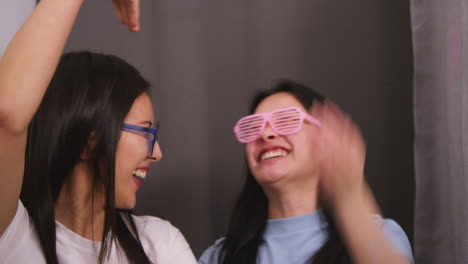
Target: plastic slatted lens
[250,127]
[286,121]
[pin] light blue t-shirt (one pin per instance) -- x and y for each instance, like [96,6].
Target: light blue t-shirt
[296,240]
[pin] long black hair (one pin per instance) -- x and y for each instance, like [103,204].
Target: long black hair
[88,98]
[250,214]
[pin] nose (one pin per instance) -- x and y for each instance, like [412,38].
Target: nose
[157,153]
[268,133]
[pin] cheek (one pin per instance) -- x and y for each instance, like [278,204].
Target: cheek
[131,147]
[130,152]
[249,152]
[306,148]
[127,157]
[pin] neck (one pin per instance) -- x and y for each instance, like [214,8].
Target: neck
[76,206]
[292,199]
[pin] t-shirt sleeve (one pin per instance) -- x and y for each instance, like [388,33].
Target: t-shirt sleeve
[21,219]
[397,238]
[211,254]
[163,243]
[20,237]
[181,251]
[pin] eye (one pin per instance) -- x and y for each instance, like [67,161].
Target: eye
[250,128]
[250,124]
[287,118]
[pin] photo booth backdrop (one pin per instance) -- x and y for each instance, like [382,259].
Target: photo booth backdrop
[440,37]
[205,60]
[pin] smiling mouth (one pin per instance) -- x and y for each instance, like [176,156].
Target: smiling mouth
[140,175]
[276,153]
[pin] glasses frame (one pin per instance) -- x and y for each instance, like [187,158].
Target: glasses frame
[151,134]
[266,117]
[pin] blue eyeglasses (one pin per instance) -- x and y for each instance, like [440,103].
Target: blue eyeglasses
[151,134]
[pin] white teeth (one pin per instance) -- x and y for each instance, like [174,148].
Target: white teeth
[273,154]
[140,173]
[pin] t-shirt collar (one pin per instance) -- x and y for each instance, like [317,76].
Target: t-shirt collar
[315,221]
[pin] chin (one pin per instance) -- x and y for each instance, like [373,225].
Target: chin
[268,177]
[127,204]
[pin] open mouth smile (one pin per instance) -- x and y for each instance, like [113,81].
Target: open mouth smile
[139,176]
[272,153]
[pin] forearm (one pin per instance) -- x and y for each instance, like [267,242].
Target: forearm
[30,60]
[364,238]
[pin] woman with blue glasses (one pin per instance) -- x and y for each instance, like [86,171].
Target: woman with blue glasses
[77,137]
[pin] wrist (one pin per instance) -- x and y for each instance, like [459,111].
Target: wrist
[347,201]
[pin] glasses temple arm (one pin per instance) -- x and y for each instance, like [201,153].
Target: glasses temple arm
[313,120]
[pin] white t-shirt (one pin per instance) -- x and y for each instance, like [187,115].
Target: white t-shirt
[162,242]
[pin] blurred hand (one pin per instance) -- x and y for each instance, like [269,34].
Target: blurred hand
[342,151]
[128,12]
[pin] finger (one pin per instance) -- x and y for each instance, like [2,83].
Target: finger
[359,141]
[338,126]
[336,112]
[341,120]
[353,140]
[330,110]
[118,10]
[134,15]
[330,117]
[124,11]
[317,110]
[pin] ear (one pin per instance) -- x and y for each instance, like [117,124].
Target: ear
[88,150]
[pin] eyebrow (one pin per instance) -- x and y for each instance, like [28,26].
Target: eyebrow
[149,123]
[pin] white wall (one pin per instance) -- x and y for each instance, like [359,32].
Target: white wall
[12,15]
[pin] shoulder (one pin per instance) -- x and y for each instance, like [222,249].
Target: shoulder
[396,236]
[211,254]
[19,237]
[156,230]
[17,226]
[162,240]
[153,224]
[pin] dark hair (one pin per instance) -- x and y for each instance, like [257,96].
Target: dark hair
[88,98]
[250,214]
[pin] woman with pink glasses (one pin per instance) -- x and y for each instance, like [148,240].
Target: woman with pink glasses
[305,199]
[77,137]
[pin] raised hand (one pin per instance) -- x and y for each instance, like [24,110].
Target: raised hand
[128,12]
[343,189]
[342,152]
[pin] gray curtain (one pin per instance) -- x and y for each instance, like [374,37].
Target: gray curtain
[206,58]
[440,41]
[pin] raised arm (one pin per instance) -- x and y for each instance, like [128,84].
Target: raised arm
[29,62]
[26,69]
